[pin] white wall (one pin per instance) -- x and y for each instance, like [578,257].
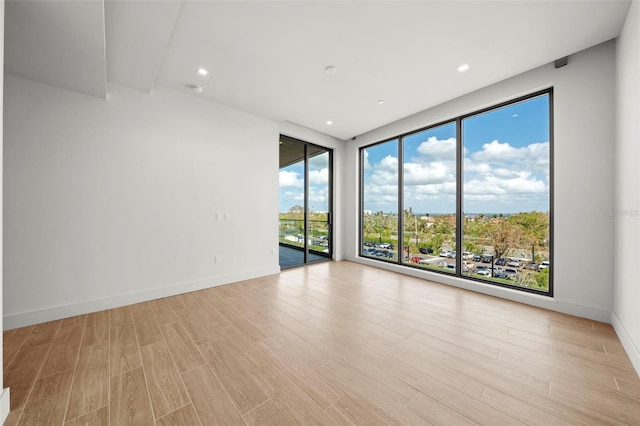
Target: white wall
[113,202]
[583,148]
[626,314]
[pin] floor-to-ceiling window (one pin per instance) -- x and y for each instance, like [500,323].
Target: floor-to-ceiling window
[429,198]
[470,197]
[380,200]
[305,225]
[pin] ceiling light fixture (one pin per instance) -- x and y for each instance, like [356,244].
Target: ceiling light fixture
[329,122]
[330,69]
[201,71]
[463,67]
[380,102]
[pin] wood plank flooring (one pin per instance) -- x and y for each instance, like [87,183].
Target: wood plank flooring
[333,343]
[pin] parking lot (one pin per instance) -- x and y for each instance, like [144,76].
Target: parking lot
[486,266]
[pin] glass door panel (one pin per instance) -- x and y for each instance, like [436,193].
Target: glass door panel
[305,231]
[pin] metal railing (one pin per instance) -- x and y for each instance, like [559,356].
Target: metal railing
[291,233]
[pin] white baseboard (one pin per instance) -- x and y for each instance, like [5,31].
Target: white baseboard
[545,302]
[627,342]
[12,321]
[4,405]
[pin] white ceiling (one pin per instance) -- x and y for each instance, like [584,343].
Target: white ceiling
[268,57]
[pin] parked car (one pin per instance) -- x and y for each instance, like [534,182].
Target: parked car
[512,273]
[487,259]
[467,255]
[443,253]
[483,270]
[451,254]
[477,258]
[513,262]
[501,262]
[416,259]
[543,265]
[425,250]
[499,273]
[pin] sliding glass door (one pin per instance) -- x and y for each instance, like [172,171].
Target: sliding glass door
[305,231]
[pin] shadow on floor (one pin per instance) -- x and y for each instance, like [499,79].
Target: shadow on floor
[291,257]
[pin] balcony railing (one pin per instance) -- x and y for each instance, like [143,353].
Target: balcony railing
[291,233]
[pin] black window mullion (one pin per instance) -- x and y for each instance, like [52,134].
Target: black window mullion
[306,203]
[459,206]
[400,248]
[361,202]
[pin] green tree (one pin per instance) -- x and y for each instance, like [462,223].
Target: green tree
[542,279]
[503,236]
[436,241]
[534,230]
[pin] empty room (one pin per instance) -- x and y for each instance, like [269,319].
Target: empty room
[320,212]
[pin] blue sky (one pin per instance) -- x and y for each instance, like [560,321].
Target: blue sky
[292,185]
[506,164]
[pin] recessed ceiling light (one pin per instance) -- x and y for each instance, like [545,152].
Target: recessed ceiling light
[380,102]
[463,67]
[329,122]
[330,69]
[202,71]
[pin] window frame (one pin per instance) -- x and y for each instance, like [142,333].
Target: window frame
[458,120]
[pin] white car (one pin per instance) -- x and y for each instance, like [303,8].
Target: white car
[512,273]
[482,270]
[544,265]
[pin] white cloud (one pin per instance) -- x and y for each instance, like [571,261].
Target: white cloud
[383,173]
[318,177]
[499,177]
[366,165]
[290,180]
[505,183]
[534,157]
[472,166]
[428,174]
[436,149]
[389,163]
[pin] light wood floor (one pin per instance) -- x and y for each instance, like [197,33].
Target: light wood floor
[332,343]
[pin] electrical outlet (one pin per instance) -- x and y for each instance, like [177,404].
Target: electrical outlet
[217,259]
[218,216]
[227,216]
